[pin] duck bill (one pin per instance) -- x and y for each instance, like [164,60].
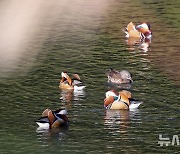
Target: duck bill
[131,81]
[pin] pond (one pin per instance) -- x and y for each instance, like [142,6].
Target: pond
[41,39]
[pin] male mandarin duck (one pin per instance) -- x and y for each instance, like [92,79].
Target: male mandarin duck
[69,83]
[140,31]
[53,119]
[119,77]
[121,100]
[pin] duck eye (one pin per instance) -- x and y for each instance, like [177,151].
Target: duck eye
[129,76]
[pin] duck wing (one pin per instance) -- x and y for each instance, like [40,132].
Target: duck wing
[114,75]
[131,26]
[134,104]
[62,119]
[77,82]
[78,85]
[76,76]
[43,120]
[113,72]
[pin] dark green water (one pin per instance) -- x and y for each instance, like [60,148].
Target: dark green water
[41,39]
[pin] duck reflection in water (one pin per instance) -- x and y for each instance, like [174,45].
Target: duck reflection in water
[120,119]
[119,86]
[140,44]
[70,95]
[58,133]
[117,118]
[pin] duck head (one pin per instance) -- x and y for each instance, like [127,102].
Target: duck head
[111,93]
[144,28]
[126,76]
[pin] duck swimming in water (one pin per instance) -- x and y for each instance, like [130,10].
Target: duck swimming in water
[53,119]
[119,77]
[141,31]
[121,100]
[69,83]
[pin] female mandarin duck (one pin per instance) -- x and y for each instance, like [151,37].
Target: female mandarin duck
[53,119]
[119,77]
[68,83]
[121,100]
[141,31]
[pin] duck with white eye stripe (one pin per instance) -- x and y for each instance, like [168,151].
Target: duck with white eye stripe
[141,31]
[120,101]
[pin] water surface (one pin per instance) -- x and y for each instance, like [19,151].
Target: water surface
[86,37]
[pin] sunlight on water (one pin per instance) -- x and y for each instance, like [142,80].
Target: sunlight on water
[22,22]
[19,21]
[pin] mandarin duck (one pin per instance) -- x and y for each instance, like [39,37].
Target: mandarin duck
[69,83]
[121,100]
[140,31]
[53,119]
